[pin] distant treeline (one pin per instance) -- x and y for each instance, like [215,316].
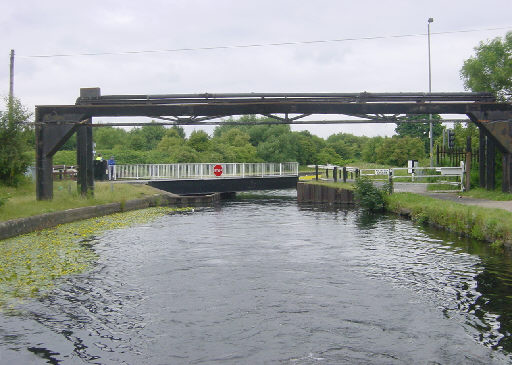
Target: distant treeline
[259,143]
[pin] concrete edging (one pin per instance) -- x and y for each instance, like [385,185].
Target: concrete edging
[19,226]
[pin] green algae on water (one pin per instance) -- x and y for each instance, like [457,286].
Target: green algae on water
[31,263]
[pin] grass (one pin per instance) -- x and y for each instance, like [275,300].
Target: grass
[488,194]
[21,202]
[494,225]
[332,184]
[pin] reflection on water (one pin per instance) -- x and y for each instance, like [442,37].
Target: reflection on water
[263,280]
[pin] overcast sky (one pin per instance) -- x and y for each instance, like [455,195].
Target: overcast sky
[389,64]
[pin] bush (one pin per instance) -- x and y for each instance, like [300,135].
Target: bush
[13,144]
[369,196]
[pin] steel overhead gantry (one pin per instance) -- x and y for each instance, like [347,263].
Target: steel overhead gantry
[56,123]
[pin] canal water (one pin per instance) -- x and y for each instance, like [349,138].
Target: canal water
[263,280]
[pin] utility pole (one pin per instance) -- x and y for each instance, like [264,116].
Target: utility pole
[430,20]
[11,76]
[11,84]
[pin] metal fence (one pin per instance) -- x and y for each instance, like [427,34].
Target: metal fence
[420,175]
[205,170]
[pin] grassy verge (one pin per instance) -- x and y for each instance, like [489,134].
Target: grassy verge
[21,202]
[494,225]
[487,194]
[332,184]
[30,264]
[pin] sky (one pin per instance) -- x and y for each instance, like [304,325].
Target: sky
[382,47]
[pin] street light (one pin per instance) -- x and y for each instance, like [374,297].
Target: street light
[430,20]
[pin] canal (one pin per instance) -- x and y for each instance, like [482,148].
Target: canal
[263,280]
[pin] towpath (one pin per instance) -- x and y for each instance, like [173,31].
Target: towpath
[506,205]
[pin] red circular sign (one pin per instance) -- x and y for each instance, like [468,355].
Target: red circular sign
[217,170]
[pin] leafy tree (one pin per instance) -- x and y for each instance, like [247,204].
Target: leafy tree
[146,138]
[199,140]
[175,131]
[234,146]
[491,68]
[369,152]
[307,147]
[14,158]
[347,145]
[329,156]
[278,148]
[421,130]
[396,151]
[169,142]
[109,138]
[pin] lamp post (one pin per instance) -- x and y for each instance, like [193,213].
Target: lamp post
[430,20]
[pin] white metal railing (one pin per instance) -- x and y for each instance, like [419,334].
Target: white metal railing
[205,170]
[441,175]
[434,175]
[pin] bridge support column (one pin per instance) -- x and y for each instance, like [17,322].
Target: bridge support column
[481,157]
[51,134]
[84,159]
[490,171]
[495,132]
[506,183]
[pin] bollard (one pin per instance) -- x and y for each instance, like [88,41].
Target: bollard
[390,181]
[335,174]
[344,174]
[316,172]
[326,173]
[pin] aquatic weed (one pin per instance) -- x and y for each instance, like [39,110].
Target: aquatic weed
[30,264]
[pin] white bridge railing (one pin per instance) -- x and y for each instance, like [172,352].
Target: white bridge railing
[205,170]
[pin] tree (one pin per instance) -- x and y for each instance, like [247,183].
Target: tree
[490,70]
[369,153]
[420,130]
[199,140]
[329,156]
[175,131]
[147,137]
[107,138]
[396,151]
[14,159]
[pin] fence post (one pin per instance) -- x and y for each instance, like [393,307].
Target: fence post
[462,170]
[316,172]
[390,180]
[344,174]
[335,174]
[468,162]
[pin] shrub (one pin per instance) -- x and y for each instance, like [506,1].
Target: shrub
[370,197]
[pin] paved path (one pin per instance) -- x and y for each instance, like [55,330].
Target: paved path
[506,205]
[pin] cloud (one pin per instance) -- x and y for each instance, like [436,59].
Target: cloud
[380,65]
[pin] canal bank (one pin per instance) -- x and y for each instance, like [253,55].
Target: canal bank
[493,225]
[15,227]
[475,218]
